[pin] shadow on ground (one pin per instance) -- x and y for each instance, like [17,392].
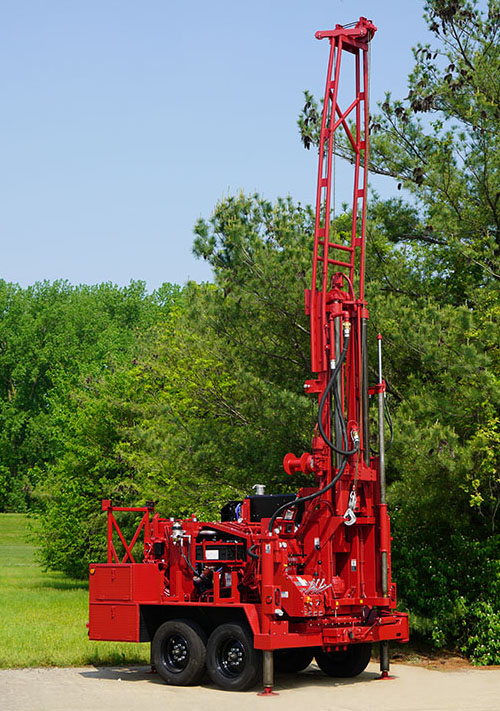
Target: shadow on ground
[309,677]
[61,584]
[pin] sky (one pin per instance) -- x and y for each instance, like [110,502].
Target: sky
[124,122]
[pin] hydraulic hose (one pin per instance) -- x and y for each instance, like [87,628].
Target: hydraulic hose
[310,496]
[331,383]
[250,552]
[186,558]
[344,453]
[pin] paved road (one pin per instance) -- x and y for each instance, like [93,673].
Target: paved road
[133,689]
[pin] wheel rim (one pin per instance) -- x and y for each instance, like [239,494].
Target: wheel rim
[176,653]
[231,658]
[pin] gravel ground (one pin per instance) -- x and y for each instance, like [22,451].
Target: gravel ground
[413,688]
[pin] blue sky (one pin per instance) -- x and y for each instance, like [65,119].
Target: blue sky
[123,122]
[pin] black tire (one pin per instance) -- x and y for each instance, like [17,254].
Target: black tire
[178,652]
[350,662]
[232,662]
[293,660]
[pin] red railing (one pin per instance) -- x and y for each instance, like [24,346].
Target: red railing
[112,523]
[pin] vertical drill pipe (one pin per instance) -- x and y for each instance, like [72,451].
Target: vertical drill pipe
[318,347]
[383,500]
[329,186]
[364,393]
[381,430]
[366,137]
[354,373]
[357,157]
[338,427]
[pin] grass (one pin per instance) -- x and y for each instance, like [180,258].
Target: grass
[43,615]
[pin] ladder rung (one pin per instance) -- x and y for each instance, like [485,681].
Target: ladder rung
[337,262]
[331,245]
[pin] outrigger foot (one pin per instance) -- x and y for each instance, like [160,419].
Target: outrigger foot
[268,691]
[268,674]
[384,661]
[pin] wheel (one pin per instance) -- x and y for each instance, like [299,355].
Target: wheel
[350,662]
[292,660]
[232,662]
[178,652]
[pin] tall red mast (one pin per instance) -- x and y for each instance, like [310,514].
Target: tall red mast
[335,302]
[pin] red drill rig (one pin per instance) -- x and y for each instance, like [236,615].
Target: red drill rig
[282,578]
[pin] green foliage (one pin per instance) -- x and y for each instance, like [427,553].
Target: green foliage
[260,253]
[51,336]
[482,633]
[441,145]
[213,400]
[189,398]
[433,291]
[442,468]
[446,494]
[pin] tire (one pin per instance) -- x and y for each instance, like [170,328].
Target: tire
[350,662]
[178,652]
[292,660]
[232,662]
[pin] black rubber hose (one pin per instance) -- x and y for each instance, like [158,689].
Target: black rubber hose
[310,496]
[331,383]
[344,453]
[250,552]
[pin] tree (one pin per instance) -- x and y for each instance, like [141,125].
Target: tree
[52,335]
[211,401]
[441,145]
[434,295]
[213,398]
[260,254]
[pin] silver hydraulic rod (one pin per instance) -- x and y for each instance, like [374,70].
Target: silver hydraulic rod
[381,444]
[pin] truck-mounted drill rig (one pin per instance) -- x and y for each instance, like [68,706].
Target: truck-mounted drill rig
[282,578]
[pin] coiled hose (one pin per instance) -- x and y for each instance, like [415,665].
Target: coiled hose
[342,452]
[338,411]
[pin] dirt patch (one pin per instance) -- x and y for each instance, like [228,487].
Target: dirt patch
[443,660]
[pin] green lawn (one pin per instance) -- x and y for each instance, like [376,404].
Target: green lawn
[43,615]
